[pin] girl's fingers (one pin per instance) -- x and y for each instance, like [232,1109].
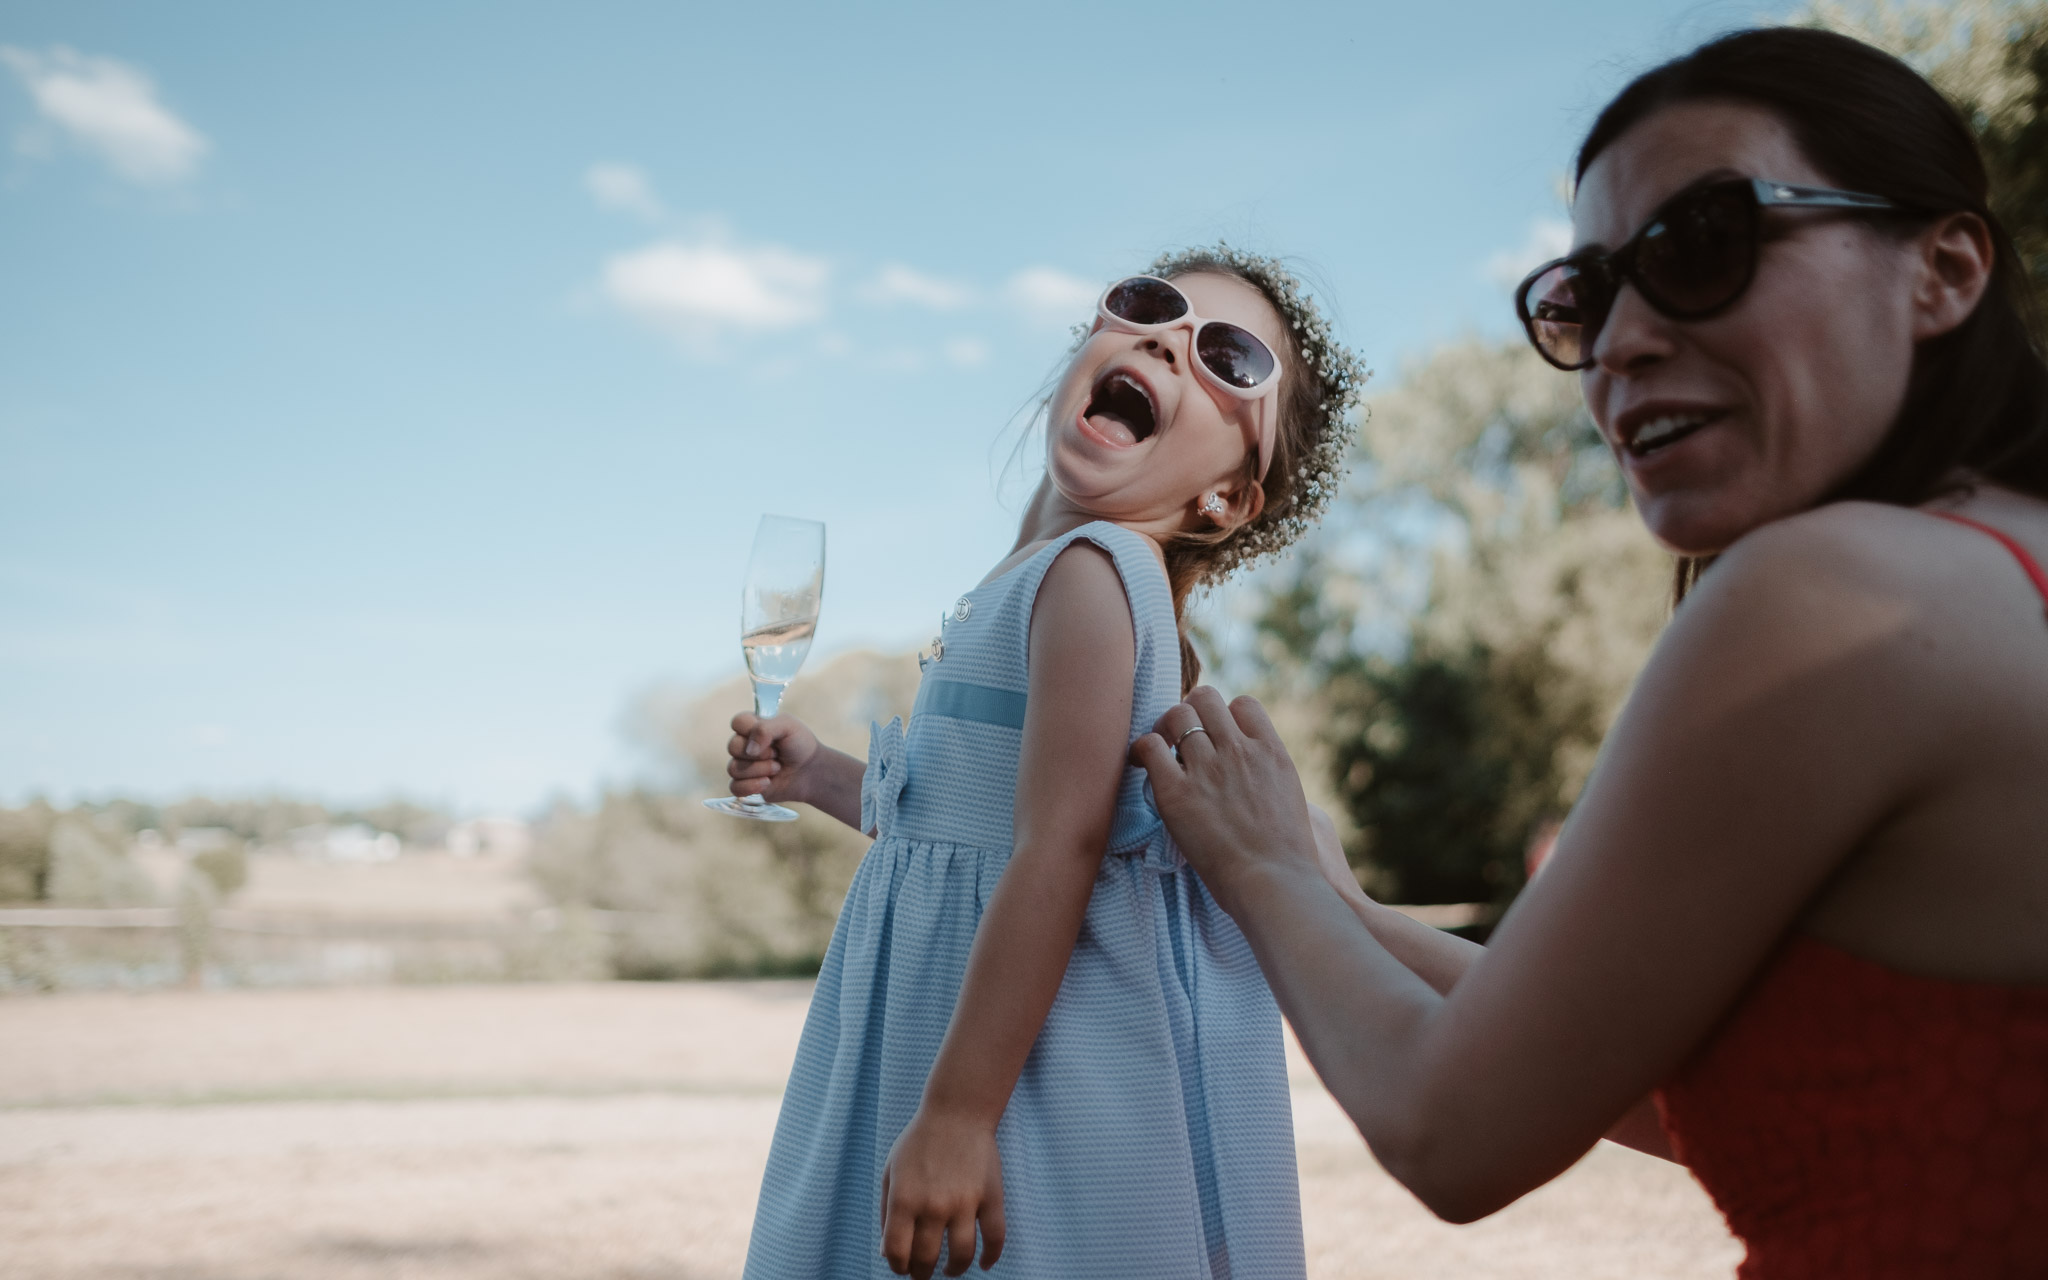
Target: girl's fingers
[924,1247]
[753,737]
[960,1243]
[992,1226]
[898,1227]
[752,768]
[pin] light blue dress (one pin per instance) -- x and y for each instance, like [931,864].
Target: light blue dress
[1150,1136]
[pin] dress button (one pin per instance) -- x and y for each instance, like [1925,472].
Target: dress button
[962,609]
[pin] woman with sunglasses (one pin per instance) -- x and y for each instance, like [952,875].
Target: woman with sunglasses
[1032,1018]
[1795,932]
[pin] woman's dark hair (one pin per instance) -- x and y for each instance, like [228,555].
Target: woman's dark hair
[1977,402]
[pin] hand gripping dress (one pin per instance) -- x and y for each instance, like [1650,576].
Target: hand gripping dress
[1150,1135]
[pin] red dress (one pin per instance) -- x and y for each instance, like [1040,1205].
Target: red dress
[1853,1121]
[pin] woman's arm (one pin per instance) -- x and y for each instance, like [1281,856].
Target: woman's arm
[943,1173]
[1440,959]
[1436,957]
[1789,711]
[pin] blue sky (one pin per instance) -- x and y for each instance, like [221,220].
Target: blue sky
[387,393]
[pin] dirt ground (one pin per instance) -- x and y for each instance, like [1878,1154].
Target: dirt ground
[607,1132]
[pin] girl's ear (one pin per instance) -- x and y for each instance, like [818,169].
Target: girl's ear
[1233,507]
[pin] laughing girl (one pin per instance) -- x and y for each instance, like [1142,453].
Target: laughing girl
[1033,1019]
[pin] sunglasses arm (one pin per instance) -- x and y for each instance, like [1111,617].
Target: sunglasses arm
[1784,195]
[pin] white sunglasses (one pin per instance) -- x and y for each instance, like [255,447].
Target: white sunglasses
[1229,357]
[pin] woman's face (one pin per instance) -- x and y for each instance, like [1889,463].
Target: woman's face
[1777,399]
[1135,434]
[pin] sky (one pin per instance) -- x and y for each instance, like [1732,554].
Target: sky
[388,392]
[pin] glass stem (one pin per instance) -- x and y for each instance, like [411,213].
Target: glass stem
[767,702]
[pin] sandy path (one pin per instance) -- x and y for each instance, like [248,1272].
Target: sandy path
[610,1132]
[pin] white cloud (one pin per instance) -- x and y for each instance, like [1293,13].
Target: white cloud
[898,283]
[623,187]
[1548,238]
[109,108]
[702,291]
[966,352]
[1049,294]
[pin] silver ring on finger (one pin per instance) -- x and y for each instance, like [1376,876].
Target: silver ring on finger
[1185,735]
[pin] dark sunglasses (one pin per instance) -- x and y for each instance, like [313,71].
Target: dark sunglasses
[1693,259]
[1233,357]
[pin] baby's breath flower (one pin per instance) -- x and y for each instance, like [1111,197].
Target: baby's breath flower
[1341,375]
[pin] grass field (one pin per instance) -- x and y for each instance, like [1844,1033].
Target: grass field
[609,1132]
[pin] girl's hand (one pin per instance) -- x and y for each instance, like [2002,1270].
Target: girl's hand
[943,1175]
[1230,794]
[768,756]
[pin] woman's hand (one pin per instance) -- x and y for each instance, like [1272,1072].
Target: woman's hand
[768,757]
[944,1174]
[1229,794]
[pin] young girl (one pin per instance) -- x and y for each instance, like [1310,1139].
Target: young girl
[1075,1052]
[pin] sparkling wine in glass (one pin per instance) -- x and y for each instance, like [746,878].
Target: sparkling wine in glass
[778,615]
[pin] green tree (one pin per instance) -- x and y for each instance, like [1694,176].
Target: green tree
[1991,58]
[1461,634]
[25,852]
[90,867]
[225,866]
[697,893]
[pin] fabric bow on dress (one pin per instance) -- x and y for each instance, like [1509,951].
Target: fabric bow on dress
[882,784]
[1159,852]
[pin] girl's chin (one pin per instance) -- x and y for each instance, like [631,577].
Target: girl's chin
[1078,477]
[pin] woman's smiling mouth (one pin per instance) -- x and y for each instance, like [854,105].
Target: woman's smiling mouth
[1121,411]
[1647,433]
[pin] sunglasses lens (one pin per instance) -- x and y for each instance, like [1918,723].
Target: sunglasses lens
[1697,255]
[1143,300]
[1563,308]
[1234,355]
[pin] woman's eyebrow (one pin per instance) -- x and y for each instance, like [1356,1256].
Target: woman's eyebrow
[1720,173]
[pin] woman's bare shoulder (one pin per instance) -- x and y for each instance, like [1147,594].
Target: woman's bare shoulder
[1859,539]
[1864,555]
[1865,607]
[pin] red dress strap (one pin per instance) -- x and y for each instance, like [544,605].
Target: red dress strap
[2019,553]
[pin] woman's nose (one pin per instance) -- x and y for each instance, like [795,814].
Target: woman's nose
[1633,338]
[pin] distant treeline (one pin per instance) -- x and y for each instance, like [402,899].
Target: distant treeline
[81,854]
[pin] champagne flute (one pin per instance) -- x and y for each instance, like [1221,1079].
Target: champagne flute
[778,615]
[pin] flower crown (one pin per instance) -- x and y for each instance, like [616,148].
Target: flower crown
[1321,465]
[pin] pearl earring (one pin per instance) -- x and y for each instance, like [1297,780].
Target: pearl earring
[1212,506]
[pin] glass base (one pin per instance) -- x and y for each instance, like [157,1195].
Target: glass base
[752,807]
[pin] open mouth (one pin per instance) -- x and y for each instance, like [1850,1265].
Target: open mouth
[1661,433]
[1121,410]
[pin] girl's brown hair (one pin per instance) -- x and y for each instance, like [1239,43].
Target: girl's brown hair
[1320,382]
